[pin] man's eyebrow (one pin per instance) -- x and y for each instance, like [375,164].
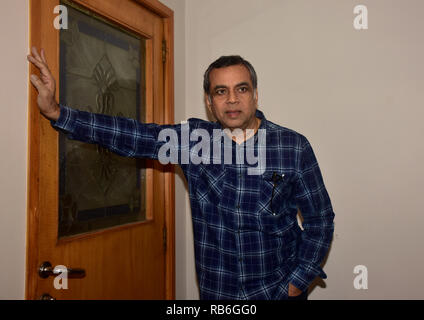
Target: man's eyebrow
[221,86]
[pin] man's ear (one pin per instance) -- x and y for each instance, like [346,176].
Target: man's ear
[208,102]
[256,97]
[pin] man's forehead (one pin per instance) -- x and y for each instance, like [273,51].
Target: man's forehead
[231,75]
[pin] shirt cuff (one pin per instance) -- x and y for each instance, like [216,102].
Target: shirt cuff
[304,274]
[67,119]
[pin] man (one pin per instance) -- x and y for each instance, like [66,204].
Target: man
[248,244]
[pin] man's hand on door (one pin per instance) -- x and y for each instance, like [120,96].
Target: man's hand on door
[45,85]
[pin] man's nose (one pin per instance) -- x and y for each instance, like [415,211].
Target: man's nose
[232,97]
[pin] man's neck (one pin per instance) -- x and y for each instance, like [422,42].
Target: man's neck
[240,136]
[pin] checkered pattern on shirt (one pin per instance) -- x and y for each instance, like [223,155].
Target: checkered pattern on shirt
[247,245]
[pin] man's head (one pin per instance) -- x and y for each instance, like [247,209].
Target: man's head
[230,85]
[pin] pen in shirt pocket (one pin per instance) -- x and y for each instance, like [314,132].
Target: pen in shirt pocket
[275,179]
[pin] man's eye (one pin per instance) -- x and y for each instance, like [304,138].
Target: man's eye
[220,91]
[243,89]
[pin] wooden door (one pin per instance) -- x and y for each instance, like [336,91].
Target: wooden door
[122,258]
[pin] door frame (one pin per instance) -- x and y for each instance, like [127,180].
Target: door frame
[39,20]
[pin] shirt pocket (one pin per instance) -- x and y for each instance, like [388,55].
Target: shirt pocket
[274,202]
[276,190]
[209,184]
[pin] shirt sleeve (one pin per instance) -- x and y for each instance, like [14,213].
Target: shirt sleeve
[126,137]
[317,212]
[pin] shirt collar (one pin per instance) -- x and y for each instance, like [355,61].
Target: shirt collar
[259,114]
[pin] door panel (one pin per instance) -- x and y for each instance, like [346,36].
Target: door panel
[110,219]
[102,70]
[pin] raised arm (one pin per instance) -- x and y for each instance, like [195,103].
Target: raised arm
[124,136]
[45,85]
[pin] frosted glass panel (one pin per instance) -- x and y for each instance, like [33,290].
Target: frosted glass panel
[102,70]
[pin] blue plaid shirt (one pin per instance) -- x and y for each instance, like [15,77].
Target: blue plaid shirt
[248,244]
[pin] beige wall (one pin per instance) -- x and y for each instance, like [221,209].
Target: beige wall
[13,146]
[358,97]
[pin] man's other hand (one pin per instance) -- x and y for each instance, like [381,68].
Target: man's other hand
[293,291]
[45,85]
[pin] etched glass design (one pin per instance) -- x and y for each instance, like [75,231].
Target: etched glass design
[102,70]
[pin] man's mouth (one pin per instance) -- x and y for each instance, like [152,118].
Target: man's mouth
[233,114]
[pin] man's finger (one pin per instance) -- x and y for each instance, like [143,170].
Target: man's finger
[36,81]
[43,56]
[37,63]
[40,65]
[35,54]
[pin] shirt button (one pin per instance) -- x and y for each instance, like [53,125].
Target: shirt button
[240,259]
[238,206]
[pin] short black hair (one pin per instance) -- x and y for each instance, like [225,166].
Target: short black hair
[226,61]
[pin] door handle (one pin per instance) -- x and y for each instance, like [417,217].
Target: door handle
[46,296]
[46,270]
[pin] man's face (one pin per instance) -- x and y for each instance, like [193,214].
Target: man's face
[233,99]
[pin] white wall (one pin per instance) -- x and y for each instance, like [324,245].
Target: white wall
[13,146]
[358,97]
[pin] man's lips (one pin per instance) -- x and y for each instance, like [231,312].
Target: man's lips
[233,113]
